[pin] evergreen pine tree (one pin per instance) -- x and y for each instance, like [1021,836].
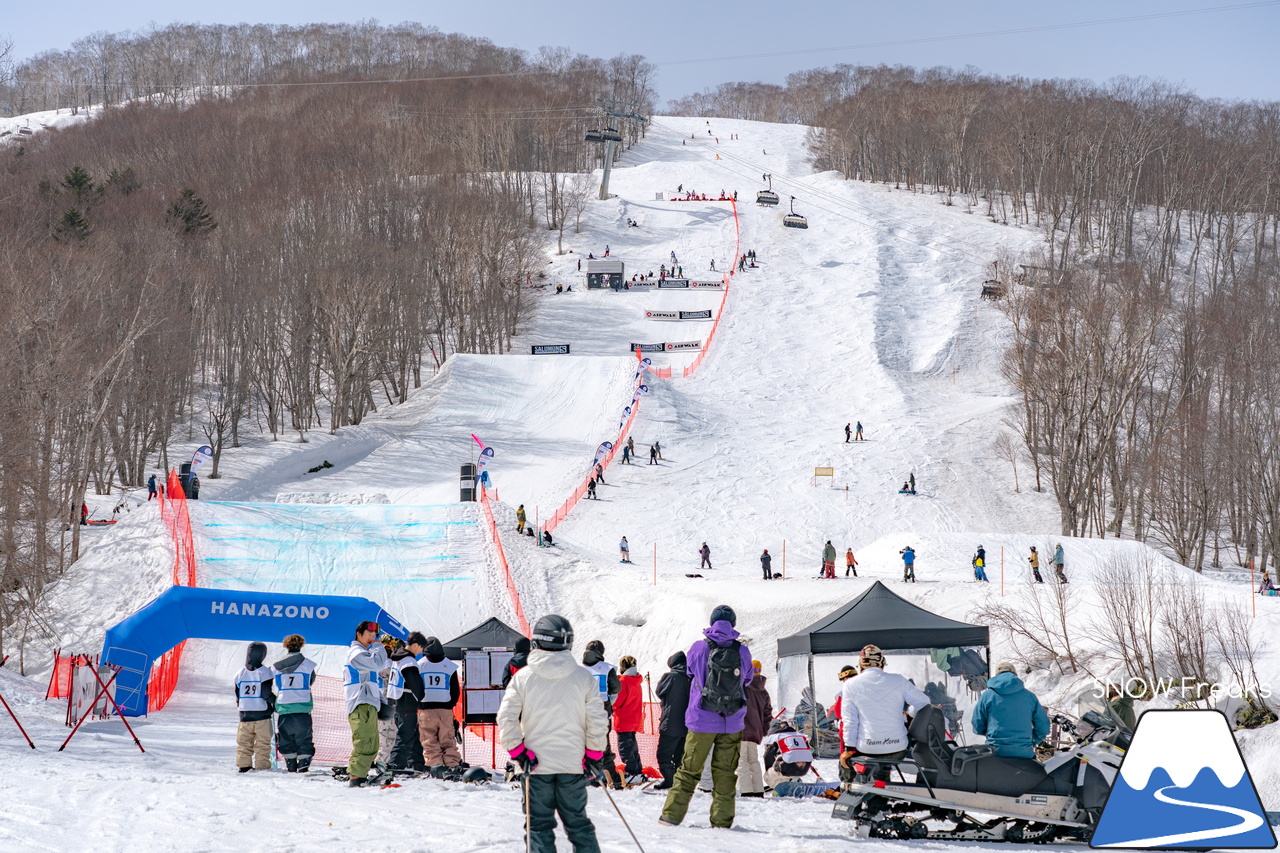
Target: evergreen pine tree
[78,182]
[191,214]
[74,226]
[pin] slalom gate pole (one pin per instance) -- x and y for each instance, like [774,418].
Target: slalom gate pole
[604,786]
[14,716]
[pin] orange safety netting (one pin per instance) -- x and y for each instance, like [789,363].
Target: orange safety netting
[177,520]
[492,527]
[164,678]
[560,514]
[60,678]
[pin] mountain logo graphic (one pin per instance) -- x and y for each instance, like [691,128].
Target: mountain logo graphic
[1183,785]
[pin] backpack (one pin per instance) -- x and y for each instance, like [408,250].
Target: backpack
[722,692]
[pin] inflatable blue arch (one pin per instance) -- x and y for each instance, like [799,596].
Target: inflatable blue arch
[185,612]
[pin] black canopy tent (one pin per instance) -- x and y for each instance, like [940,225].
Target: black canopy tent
[880,617]
[492,634]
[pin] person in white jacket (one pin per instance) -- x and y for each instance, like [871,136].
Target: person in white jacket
[871,712]
[362,688]
[553,715]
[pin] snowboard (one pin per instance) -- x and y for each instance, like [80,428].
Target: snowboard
[804,789]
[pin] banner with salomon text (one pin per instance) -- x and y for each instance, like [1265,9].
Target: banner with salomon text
[549,349]
[695,315]
[673,283]
[648,347]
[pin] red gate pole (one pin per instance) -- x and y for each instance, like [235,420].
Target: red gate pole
[16,722]
[103,690]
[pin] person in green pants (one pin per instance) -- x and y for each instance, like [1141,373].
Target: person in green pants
[362,689]
[719,670]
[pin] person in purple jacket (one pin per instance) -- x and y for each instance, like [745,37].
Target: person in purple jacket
[719,669]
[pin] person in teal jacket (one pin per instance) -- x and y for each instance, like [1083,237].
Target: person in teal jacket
[1010,716]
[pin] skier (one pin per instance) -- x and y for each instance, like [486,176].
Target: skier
[871,711]
[440,692]
[609,686]
[591,488]
[979,565]
[850,564]
[628,718]
[766,565]
[653,454]
[657,445]
[705,553]
[552,714]
[719,670]
[912,481]
[673,693]
[1057,564]
[404,690]
[857,432]
[151,487]
[293,675]
[625,549]
[255,701]
[626,454]
[828,560]
[754,724]
[1010,716]
[908,564]
[362,690]
[520,518]
[1034,560]
[848,432]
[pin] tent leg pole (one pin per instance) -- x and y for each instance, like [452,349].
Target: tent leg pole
[813,712]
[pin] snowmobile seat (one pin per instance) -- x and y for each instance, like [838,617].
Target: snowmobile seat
[969,768]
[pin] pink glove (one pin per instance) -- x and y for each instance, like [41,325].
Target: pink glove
[524,757]
[593,763]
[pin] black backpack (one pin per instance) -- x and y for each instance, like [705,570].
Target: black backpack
[722,692]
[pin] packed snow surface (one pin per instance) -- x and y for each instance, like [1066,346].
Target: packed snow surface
[871,314]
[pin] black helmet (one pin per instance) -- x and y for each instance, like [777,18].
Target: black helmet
[476,774]
[552,634]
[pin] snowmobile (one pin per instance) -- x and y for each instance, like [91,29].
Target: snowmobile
[968,793]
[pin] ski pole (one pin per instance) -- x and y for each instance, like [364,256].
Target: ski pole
[604,786]
[528,838]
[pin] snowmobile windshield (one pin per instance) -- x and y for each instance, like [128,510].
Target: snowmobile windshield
[1096,714]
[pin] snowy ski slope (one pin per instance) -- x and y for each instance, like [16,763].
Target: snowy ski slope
[871,314]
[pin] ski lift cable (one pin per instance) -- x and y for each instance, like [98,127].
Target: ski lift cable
[888,226]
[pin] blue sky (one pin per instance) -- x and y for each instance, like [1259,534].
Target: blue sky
[1229,53]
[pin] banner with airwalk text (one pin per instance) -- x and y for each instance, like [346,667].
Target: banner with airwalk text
[183,612]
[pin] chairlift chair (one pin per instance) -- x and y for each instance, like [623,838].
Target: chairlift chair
[793,219]
[594,136]
[611,135]
[767,197]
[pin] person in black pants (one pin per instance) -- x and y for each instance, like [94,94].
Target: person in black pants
[673,693]
[766,565]
[406,753]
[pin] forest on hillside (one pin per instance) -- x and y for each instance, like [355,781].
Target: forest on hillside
[212,256]
[1146,331]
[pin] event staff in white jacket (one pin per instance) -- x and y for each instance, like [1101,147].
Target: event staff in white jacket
[553,715]
[871,711]
[362,688]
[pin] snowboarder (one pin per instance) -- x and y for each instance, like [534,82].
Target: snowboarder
[255,701]
[631,444]
[404,690]
[440,692]
[908,564]
[787,757]
[653,454]
[912,481]
[625,549]
[848,433]
[719,669]
[626,454]
[609,687]
[362,690]
[979,565]
[766,565]
[871,711]
[606,250]
[600,474]
[850,564]
[705,553]
[1034,560]
[292,681]
[713,264]
[552,714]
[857,432]
[657,446]
[754,724]
[673,693]
[520,518]
[628,718]
[151,487]
[1010,716]
[828,560]
[906,489]
[591,489]
[1057,564]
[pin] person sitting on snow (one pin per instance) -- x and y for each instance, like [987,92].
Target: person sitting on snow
[787,757]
